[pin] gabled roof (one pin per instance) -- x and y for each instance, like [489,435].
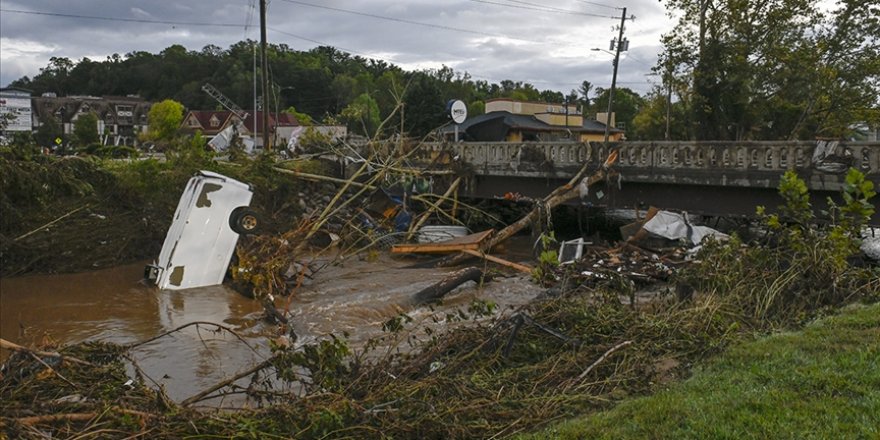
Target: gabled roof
[204,118]
[226,117]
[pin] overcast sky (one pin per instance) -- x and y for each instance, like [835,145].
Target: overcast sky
[543,42]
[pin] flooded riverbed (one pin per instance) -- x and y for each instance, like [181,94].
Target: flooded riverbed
[356,297]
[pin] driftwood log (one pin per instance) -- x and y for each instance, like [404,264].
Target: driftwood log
[559,196]
[437,290]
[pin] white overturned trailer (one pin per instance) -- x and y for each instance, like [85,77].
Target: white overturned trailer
[211,214]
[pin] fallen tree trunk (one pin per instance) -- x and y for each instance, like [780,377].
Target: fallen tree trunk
[436,291]
[559,196]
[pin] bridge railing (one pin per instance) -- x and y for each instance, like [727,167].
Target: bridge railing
[720,156]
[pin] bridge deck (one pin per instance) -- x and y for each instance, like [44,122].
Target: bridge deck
[711,177]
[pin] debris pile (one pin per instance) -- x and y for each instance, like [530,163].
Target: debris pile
[642,267]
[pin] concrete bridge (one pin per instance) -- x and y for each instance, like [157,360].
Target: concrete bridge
[710,178]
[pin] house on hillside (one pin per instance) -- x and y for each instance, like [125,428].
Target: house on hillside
[508,120]
[121,119]
[212,122]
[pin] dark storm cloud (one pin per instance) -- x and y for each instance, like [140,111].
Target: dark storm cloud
[550,50]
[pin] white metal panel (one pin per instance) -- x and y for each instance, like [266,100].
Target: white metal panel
[200,243]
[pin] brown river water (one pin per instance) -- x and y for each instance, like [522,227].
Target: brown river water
[112,305]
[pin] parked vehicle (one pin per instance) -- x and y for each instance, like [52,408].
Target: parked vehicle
[213,211]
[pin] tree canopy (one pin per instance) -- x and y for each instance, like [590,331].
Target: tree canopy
[164,119]
[774,69]
[85,129]
[320,82]
[736,69]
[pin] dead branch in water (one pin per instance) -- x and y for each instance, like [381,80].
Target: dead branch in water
[15,347]
[194,323]
[437,290]
[224,383]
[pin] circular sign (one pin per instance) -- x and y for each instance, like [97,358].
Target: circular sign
[457,110]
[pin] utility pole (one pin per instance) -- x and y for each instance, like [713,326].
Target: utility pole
[619,45]
[264,68]
[668,95]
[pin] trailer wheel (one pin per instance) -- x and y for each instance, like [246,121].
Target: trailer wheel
[244,221]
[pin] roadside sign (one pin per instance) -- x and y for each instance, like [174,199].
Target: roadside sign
[58,141]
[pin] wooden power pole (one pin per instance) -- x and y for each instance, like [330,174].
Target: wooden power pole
[264,69]
[618,46]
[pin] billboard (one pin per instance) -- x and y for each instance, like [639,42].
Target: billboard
[16,113]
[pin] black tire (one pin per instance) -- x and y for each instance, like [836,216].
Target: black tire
[245,221]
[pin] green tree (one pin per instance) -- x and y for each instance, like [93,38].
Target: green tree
[584,91]
[775,69]
[302,118]
[362,115]
[424,108]
[47,132]
[164,119]
[626,105]
[85,130]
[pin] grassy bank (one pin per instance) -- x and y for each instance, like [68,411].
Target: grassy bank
[821,382]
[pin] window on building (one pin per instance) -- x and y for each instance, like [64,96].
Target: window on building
[214,121]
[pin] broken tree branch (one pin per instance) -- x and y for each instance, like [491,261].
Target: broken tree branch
[602,358]
[494,259]
[559,196]
[320,178]
[15,347]
[50,223]
[55,372]
[75,417]
[431,208]
[200,396]
[194,323]
[437,290]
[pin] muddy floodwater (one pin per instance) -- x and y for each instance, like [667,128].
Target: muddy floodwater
[112,305]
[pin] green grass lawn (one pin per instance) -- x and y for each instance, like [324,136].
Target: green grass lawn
[822,382]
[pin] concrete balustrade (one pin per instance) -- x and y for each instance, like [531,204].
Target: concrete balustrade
[701,163]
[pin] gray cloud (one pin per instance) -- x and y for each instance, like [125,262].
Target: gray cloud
[491,42]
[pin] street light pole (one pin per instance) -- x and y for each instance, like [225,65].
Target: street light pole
[614,75]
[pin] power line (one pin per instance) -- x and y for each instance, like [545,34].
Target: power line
[413,22]
[598,4]
[250,16]
[128,20]
[238,25]
[393,61]
[542,8]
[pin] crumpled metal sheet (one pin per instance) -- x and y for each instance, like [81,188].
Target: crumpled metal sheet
[675,226]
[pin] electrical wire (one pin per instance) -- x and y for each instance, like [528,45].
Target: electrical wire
[417,23]
[252,7]
[239,25]
[128,20]
[599,4]
[537,7]
[393,61]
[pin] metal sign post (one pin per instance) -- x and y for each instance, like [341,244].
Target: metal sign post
[458,112]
